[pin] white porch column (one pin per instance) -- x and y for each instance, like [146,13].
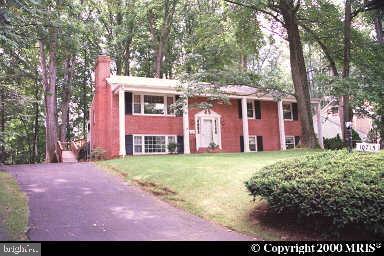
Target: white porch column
[245,123]
[319,125]
[187,149]
[281,124]
[122,122]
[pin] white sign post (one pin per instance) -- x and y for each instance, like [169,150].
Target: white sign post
[367,147]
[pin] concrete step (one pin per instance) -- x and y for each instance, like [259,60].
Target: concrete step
[68,157]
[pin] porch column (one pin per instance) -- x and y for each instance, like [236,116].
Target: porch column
[281,124]
[122,122]
[245,123]
[187,149]
[319,125]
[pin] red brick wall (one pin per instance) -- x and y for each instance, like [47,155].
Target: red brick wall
[267,126]
[139,124]
[105,124]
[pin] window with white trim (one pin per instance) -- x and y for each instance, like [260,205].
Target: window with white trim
[148,104]
[137,104]
[289,142]
[252,143]
[152,144]
[287,111]
[250,109]
[153,104]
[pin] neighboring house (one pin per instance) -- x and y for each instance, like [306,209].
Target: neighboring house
[132,116]
[330,122]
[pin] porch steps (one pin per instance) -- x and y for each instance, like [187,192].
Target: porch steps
[68,157]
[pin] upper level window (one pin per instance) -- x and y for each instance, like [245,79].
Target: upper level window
[250,109]
[287,111]
[137,104]
[153,104]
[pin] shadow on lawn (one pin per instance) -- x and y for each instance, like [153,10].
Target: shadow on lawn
[293,229]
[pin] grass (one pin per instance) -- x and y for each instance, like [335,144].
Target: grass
[208,185]
[13,208]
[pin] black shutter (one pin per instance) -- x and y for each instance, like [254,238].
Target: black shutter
[128,103]
[178,112]
[239,108]
[260,143]
[257,109]
[241,143]
[294,111]
[297,140]
[180,144]
[129,144]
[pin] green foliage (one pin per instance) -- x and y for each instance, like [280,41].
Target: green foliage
[333,186]
[334,143]
[172,147]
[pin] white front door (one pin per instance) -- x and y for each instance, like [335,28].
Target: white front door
[206,133]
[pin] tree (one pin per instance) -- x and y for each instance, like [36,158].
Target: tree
[160,24]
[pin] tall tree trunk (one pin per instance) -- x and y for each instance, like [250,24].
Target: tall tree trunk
[380,38]
[299,74]
[48,76]
[2,126]
[345,110]
[68,73]
[36,109]
[243,62]
[159,60]
[127,57]
[84,94]
[379,26]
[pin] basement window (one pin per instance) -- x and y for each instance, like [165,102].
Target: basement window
[152,144]
[289,142]
[252,143]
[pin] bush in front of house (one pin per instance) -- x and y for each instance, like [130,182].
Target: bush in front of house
[334,143]
[172,147]
[334,187]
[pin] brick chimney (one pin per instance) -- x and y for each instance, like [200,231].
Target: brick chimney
[102,70]
[101,104]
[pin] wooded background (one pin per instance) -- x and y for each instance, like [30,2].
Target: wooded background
[48,48]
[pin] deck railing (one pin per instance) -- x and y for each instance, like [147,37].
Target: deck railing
[74,146]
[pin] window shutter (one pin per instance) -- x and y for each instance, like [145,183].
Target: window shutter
[257,109]
[128,103]
[180,144]
[260,143]
[178,112]
[297,140]
[129,144]
[294,111]
[241,143]
[239,108]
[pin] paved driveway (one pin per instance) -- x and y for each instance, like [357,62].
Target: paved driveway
[78,201]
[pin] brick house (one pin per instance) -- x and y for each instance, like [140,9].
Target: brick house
[131,116]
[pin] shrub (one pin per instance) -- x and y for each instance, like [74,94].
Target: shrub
[334,143]
[172,147]
[335,186]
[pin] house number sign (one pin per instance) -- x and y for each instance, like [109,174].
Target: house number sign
[367,147]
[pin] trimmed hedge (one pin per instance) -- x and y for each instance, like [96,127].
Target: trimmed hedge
[341,187]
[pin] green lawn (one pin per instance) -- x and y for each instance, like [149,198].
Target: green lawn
[13,208]
[208,185]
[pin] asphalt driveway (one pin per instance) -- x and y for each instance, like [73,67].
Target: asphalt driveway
[78,201]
